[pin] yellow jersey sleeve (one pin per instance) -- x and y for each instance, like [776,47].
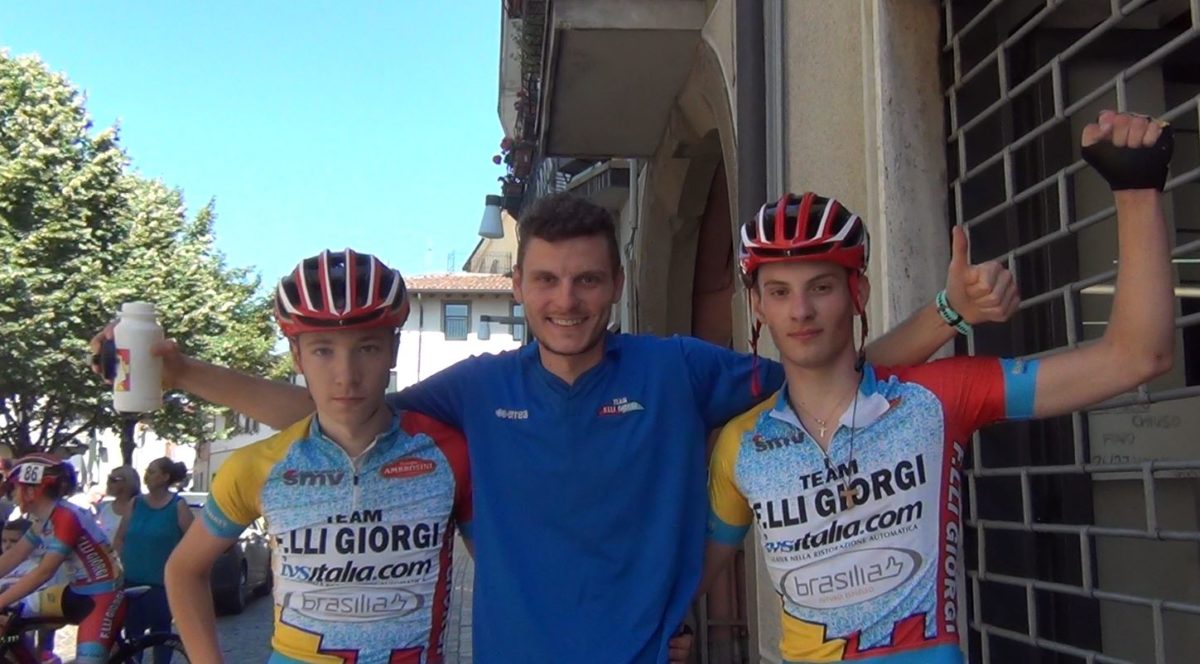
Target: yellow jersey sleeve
[235,498]
[729,514]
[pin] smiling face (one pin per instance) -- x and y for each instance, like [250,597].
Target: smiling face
[808,308]
[347,371]
[568,288]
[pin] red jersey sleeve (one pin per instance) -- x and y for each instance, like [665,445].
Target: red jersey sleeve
[454,447]
[975,391]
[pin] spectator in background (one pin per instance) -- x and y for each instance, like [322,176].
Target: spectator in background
[153,525]
[13,532]
[123,485]
[86,499]
[7,506]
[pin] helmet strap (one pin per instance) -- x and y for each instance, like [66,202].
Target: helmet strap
[860,309]
[755,331]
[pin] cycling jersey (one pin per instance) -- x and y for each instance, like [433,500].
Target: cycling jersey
[590,496]
[362,547]
[90,560]
[863,545]
[95,572]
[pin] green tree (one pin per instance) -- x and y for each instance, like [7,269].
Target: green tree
[79,234]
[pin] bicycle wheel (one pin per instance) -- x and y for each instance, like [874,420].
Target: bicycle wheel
[142,650]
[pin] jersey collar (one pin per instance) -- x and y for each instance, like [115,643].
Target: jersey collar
[531,359]
[871,405]
[384,437]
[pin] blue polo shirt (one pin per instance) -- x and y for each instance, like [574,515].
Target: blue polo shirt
[590,499]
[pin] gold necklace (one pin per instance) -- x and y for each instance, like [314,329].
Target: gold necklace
[822,424]
[849,495]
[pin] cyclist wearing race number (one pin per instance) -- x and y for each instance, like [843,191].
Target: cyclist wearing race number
[362,501]
[852,473]
[95,593]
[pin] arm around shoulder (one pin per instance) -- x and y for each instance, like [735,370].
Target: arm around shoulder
[274,403]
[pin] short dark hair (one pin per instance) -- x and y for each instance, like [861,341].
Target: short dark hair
[566,216]
[19,525]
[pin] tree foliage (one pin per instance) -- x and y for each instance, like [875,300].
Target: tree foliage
[81,233]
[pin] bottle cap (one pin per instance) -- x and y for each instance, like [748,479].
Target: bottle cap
[138,308]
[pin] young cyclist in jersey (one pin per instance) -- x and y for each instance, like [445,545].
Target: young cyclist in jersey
[362,500]
[851,475]
[94,598]
[587,447]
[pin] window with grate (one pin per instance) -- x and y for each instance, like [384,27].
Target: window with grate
[518,329]
[1084,531]
[456,320]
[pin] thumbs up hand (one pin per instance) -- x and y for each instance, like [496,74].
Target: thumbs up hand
[984,293]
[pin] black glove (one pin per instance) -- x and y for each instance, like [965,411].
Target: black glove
[1133,168]
[105,362]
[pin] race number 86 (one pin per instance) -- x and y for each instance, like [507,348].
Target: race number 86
[31,474]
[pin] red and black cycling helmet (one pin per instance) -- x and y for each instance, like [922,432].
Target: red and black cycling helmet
[807,227]
[340,290]
[43,470]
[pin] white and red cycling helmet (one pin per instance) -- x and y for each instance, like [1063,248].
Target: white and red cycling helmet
[340,290]
[807,227]
[43,470]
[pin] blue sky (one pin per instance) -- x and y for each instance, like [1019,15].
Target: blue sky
[313,124]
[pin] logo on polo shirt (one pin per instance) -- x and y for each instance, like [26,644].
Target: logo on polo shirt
[619,406]
[509,414]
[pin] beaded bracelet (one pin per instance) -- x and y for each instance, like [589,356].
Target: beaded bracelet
[948,314]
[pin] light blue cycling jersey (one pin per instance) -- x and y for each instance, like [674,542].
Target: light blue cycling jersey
[362,548]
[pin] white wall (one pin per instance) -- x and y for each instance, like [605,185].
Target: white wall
[104,454]
[424,349]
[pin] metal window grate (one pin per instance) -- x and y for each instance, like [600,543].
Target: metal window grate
[1084,534]
[456,320]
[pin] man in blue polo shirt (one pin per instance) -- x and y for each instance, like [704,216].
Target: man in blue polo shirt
[586,447]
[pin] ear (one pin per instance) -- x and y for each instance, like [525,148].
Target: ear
[618,284]
[395,347]
[863,295]
[297,365]
[516,278]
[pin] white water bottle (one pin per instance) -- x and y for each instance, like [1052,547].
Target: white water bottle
[137,387]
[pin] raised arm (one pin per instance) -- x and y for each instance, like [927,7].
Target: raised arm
[984,293]
[276,404]
[1139,342]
